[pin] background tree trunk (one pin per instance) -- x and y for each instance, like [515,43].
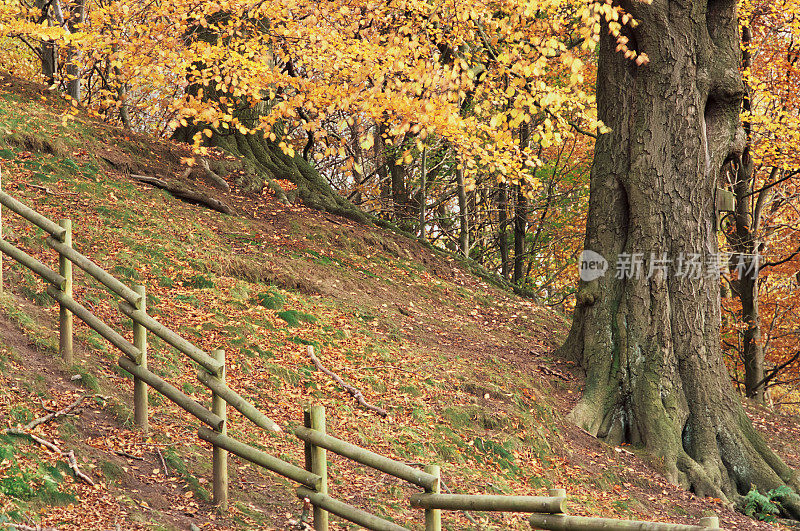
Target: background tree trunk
[48,48]
[521,213]
[463,214]
[423,195]
[76,17]
[649,342]
[744,265]
[520,228]
[502,206]
[745,244]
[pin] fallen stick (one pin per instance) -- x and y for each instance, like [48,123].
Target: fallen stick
[69,456]
[349,388]
[73,464]
[129,456]
[23,527]
[55,414]
[163,462]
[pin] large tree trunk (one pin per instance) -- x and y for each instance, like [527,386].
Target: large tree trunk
[649,341]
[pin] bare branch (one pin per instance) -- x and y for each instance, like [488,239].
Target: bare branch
[349,388]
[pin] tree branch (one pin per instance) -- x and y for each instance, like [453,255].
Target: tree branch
[349,388]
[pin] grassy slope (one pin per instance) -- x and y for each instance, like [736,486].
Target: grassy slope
[462,368]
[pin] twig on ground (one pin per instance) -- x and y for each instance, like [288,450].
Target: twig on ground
[73,464]
[41,401]
[163,462]
[70,455]
[349,388]
[55,414]
[552,372]
[23,527]
[47,190]
[129,456]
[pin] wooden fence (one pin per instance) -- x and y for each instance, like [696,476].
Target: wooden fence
[313,479]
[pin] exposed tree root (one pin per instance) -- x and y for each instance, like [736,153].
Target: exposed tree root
[182,192]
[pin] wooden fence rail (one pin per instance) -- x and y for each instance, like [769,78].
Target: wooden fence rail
[313,479]
[367,458]
[210,364]
[562,522]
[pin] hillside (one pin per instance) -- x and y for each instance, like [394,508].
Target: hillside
[463,368]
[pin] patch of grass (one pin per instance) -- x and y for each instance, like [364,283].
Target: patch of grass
[175,461]
[66,430]
[494,453]
[126,272]
[110,471]
[88,380]
[411,390]
[271,299]
[294,318]
[287,375]
[240,291]
[21,414]
[25,478]
[198,282]
[189,299]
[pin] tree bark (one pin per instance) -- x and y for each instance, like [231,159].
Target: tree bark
[76,17]
[463,214]
[502,206]
[49,50]
[745,245]
[649,340]
[521,213]
[423,195]
[520,227]
[744,265]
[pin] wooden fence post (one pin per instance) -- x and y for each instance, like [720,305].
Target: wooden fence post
[557,493]
[220,456]
[710,521]
[64,315]
[317,461]
[433,517]
[140,402]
